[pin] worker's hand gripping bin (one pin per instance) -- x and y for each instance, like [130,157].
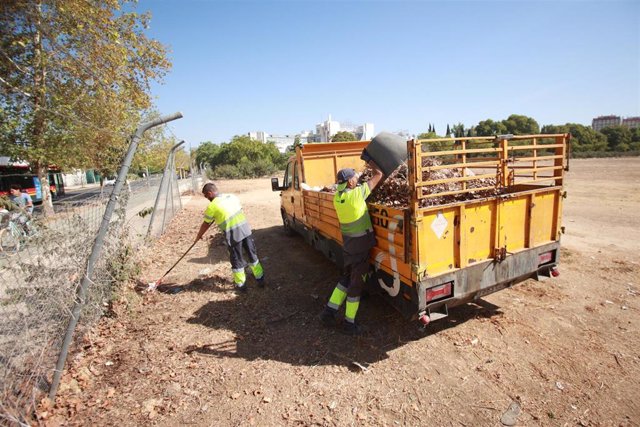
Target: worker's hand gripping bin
[387,150]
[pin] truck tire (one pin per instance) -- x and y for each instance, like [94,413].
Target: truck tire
[286,223]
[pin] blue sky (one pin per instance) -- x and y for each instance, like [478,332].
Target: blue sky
[284,66]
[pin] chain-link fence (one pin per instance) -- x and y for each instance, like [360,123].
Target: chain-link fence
[39,276]
[43,263]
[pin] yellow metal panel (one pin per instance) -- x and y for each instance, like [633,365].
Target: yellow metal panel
[383,234]
[437,241]
[543,218]
[319,172]
[389,262]
[480,237]
[323,161]
[393,248]
[512,222]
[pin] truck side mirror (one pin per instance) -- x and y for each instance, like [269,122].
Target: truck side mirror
[275,186]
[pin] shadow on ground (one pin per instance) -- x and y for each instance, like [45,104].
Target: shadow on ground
[280,322]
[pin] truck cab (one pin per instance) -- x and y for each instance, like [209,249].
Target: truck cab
[291,197]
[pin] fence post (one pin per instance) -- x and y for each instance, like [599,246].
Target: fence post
[192,168]
[169,192]
[173,180]
[97,247]
[178,185]
[162,180]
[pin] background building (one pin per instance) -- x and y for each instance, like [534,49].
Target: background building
[324,132]
[602,122]
[605,121]
[281,141]
[327,129]
[631,122]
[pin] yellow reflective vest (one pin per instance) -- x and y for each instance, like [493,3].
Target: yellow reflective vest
[355,222]
[227,213]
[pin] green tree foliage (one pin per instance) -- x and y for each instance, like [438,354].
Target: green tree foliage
[515,124]
[619,138]
[583,138]
[243,157]
[635,139]
[521,125]
[458,130]
[435,146]
[489,127]
[205,152]
[74,76]
[343,136]
[428,135]
[292,148]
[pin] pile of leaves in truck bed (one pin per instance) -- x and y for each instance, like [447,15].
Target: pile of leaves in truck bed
[395,191]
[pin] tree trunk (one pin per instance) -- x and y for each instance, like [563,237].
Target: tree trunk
[43,177]
[39,119]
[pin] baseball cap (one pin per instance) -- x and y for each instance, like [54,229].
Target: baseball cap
[343,176]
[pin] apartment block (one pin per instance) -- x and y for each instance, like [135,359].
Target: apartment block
[631,122]
[605,121]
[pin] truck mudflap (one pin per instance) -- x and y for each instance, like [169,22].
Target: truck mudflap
[432,297]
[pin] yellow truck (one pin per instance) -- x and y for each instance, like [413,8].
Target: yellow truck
[483,213]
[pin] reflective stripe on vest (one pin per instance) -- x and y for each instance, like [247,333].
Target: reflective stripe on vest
[234,221]
[226,211]
[352,211]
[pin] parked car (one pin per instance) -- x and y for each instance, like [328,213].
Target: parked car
[109,181]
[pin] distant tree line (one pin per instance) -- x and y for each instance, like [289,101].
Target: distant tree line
[242,157]
[585,141]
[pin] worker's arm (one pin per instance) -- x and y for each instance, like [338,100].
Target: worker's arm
[377,175]
[203,229]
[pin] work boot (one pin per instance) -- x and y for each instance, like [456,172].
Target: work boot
[261,282]
[241,289]
[328,317]
[353,329]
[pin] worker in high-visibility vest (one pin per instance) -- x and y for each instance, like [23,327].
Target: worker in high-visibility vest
[226,211]
[358,238]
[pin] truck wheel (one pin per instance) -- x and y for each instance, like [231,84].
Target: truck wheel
[286,223]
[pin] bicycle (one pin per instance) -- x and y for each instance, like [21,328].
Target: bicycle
[13,233]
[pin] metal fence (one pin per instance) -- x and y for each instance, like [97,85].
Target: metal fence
[38,283]
[39,279]
[41,275]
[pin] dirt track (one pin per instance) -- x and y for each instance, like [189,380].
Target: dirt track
[566,350]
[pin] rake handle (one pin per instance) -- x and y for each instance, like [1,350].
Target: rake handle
[180,259]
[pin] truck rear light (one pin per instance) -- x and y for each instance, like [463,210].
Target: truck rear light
[439,292]
[555,272]
[545,257]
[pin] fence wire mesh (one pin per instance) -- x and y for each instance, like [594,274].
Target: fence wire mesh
[39,279]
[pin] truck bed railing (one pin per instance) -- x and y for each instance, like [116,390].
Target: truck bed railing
[449,169]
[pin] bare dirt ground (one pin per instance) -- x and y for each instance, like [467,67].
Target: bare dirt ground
[566,350]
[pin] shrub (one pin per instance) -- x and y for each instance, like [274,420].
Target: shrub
[225,171]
